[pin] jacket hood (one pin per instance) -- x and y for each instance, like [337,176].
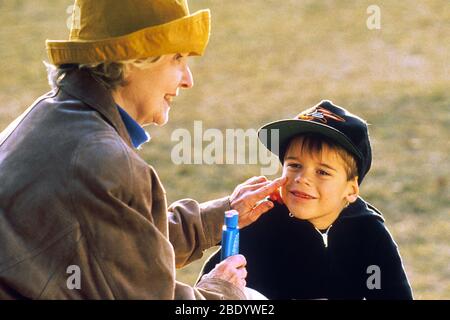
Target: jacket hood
[360,208]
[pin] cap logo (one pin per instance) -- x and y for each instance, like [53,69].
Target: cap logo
[320,114]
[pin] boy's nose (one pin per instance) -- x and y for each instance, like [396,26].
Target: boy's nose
[302,178]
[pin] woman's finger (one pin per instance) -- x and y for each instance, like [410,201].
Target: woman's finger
[256,186]
[268,189]
[254,180]
[236,261]
[260,209]
[242,273]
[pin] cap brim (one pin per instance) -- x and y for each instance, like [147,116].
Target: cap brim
[289,128]
[189,34]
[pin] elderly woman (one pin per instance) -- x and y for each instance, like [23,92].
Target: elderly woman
[81,214]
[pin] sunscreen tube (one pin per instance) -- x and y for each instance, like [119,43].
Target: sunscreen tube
[230,235]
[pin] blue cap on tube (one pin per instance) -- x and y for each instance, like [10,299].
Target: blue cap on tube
[230,234]
[231,218]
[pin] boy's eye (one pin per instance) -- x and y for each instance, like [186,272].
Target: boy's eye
[322,172]
[294,165]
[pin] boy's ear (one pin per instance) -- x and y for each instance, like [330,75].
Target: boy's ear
[353,190]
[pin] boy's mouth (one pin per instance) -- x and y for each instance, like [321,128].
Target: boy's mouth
[302,195]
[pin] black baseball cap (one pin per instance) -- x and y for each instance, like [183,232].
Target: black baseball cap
[329,120]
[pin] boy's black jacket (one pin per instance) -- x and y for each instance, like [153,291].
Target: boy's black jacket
[287,257]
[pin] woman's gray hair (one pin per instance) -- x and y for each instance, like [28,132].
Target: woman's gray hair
[110,74]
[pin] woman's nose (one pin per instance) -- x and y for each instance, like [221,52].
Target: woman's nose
[187,81]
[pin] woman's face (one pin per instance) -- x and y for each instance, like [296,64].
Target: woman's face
[149,91]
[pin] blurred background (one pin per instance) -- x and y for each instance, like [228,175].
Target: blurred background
[269,60]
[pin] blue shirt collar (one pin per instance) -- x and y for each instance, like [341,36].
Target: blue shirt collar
[137,134]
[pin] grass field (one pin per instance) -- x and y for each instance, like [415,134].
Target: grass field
[271,59]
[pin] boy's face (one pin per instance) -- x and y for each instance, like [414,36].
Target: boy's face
[317,188]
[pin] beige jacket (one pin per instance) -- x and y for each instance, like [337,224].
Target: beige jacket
[78,203]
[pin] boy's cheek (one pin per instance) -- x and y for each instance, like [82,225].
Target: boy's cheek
[283,189]
[276,196]
[283,193]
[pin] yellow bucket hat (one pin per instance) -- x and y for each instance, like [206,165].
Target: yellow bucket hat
[116,30]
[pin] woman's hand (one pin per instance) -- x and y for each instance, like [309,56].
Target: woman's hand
[232,269]
[249,198]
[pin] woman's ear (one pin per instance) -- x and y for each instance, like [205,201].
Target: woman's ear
[353,190]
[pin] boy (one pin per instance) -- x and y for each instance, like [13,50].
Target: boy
[321,240]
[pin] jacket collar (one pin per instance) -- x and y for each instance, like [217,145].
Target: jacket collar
[81,85]
[137,134]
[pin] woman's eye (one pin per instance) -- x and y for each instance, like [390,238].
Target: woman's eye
[178,57]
